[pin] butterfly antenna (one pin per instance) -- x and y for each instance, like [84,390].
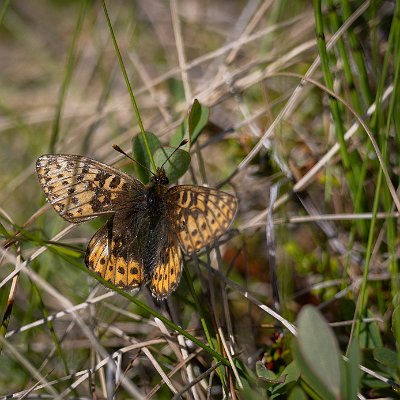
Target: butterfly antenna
[184,141]
[116,147]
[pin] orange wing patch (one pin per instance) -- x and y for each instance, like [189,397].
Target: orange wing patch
[104,256]
[200,214]
[80,188]
[167,273]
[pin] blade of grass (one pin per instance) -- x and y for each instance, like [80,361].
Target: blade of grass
[350,165]
[391,230]
[345,60]
[128,85]
[55,130]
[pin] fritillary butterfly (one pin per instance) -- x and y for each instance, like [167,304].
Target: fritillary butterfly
[148,225]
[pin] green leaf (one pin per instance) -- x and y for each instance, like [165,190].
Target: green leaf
[292,374]
[67,251]
[193,124]
[179,134]
[141,155]
[198,119]
[352,371]
[318,355]
[268,375]
[176,166]
[374,383]
[297,393]
[307,374]
[387,357]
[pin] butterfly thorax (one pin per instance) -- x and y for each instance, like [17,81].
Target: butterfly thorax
[155,198]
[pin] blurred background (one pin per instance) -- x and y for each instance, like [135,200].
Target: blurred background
[307,177]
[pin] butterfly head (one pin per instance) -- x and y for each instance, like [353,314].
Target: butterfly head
[160,178]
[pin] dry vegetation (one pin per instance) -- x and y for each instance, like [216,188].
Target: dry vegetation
[303,127]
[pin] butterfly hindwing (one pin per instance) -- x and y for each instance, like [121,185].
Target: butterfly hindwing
[200,214]
[115,258]
[80,188]
[168,270]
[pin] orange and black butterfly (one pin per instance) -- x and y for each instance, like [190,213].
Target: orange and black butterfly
[148,226]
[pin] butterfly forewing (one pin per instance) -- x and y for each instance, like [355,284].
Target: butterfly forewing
[199,214]
[80,188]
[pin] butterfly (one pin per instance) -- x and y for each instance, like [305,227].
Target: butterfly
[149,226]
